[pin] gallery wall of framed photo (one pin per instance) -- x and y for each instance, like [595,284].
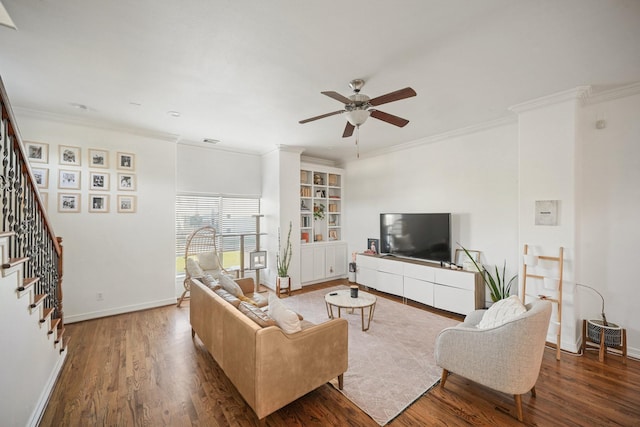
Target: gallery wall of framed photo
[107,176]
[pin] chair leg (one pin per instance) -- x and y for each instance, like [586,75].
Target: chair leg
[443,380]
[518,398]
[533,391]
[340,381]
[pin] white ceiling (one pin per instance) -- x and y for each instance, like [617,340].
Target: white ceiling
[245,72]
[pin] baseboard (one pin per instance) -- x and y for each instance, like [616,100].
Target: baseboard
[118,310]
[38,412]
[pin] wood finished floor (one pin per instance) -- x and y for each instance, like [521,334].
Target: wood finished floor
[143,368]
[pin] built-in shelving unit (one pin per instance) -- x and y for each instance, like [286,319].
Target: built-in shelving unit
[545,273]
[320,205]
[323,253]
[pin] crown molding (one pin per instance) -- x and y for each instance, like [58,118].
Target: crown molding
[78,121]
[578,93]
[613,94]
[467,130]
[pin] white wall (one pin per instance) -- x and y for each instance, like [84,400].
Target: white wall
[607,218]
[548,140]
[473,176]
[280,205]
[129,258]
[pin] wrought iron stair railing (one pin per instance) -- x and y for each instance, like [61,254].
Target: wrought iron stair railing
[23,213]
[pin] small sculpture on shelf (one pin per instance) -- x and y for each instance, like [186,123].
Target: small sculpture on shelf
[317,179]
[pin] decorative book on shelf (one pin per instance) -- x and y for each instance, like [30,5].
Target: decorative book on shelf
[545,282]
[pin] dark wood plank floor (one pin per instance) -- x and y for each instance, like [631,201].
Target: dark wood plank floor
[143,368]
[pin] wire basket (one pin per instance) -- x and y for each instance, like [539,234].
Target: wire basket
[612,333]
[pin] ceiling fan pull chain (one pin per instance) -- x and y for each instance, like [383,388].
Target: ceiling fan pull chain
[357,146]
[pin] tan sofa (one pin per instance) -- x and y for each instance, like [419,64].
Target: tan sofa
[269,368]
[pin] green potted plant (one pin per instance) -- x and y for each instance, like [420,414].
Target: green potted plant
[283,260]
[318,211]
[498,286]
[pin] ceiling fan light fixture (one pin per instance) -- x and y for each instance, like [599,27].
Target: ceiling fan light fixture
[357,117]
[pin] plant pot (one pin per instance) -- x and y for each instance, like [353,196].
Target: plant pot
[283,285]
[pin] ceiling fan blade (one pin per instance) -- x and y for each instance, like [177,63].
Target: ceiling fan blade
[337,97]
[320,117]
[389,118]
[348,130]
[407,92]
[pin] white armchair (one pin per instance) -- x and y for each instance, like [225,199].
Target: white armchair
[506,358]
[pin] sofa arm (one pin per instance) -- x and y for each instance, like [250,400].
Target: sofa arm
[289,366]
[246,284]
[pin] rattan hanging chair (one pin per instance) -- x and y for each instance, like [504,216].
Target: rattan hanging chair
[201,241]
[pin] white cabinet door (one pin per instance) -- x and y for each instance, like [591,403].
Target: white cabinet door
[390,283]
[418,290]
[369,262]
[306,265]
[453,299]
[456,278]
[336,260]
[420,272]
[367,277]
[319,258]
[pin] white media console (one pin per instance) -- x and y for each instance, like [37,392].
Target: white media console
[457,291]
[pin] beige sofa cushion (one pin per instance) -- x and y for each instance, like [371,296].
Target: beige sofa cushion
[257,315]
[231,299]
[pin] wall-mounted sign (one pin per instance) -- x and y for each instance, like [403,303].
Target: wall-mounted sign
[546,212]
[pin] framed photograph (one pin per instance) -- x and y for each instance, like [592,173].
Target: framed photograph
[41,176]
[98,158]
[373,246]
[68,180]
[99,181]
[45,200]
[257,260]
[37,152]
[126,161]
[69,156]
[126,204]
[99,203]
[126,182]
[461,257]
[68,202]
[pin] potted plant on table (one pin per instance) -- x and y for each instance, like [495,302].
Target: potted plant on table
[283,260]
[498,286]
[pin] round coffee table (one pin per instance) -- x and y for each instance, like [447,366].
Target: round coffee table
[342,299]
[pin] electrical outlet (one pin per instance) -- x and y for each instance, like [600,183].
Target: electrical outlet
[99,296]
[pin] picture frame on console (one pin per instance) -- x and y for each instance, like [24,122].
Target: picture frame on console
[461,257]
[373,246]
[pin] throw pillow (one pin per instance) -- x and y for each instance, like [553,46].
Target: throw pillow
[501,312]
[286,319]
[208,280]
[257,315]
[209,261]
[230,285]
[194,269]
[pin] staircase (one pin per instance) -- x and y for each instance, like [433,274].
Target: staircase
[31,316]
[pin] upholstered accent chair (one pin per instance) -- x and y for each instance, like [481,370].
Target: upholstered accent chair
[506,358]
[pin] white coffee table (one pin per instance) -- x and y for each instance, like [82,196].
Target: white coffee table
[342,299]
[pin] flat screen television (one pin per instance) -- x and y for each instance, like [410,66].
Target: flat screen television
[424,236]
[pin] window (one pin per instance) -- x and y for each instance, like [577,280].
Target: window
[230,216]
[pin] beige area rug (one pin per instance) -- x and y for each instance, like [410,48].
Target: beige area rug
[392,364]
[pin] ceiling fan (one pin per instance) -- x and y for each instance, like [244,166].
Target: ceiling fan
[358,107]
